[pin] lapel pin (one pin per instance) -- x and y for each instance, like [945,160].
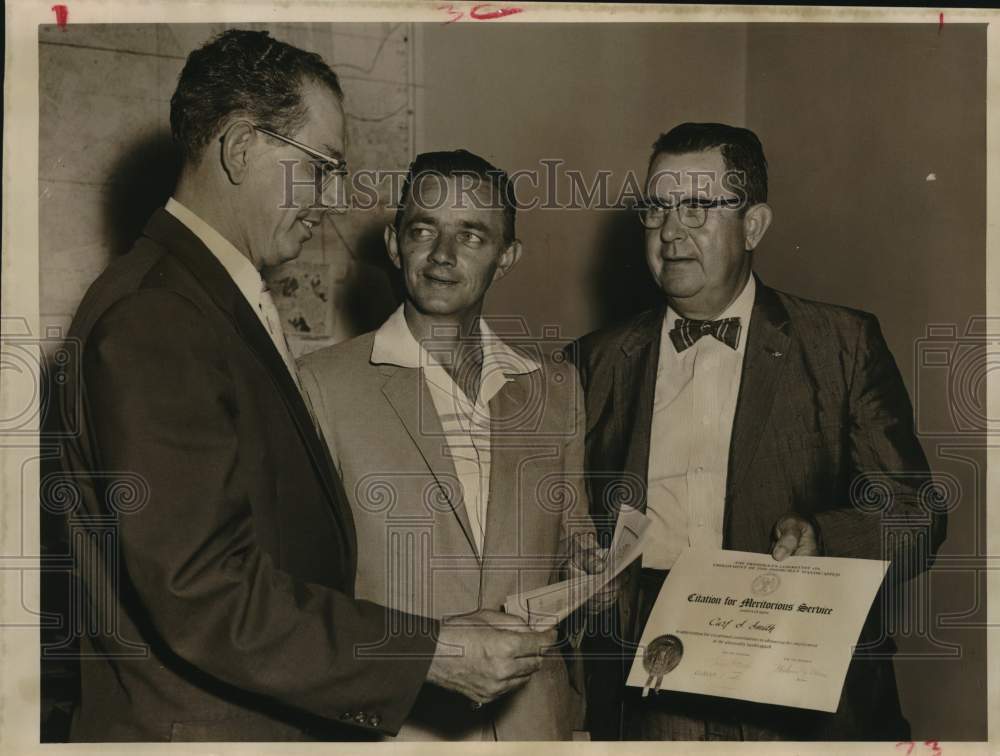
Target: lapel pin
[777,354]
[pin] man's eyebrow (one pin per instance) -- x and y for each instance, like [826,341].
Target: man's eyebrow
[476,226]
[421,217]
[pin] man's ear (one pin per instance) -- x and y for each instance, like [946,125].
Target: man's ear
[392,245]
[508,259]
[755,224]
[236,141]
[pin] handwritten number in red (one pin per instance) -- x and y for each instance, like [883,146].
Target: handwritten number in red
[933,745]
[478,13]
[488,15]
[62,15]
[450,9]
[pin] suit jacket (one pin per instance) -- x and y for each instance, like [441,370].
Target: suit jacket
[214,539]
[417,551]
[823,427]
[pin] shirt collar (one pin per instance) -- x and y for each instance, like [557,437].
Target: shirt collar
[741,307]
[240,269]
[395,345]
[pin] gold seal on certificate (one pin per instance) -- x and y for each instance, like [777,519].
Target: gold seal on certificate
[731,623]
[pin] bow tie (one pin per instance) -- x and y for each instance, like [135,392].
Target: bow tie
[686,332]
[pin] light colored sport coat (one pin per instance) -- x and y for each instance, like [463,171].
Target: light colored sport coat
[415,547]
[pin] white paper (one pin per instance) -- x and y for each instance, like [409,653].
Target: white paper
[742,625]
[549,605]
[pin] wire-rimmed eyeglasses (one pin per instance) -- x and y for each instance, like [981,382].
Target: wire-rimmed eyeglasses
[330,167]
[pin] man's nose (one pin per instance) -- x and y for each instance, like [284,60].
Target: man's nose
[443,251]
[672,229]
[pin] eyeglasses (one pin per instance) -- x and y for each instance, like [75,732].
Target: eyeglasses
[692,211]
[330,167]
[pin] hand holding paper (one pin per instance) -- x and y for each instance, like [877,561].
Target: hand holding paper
[547,606]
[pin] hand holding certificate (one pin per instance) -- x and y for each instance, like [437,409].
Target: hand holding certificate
[742,625]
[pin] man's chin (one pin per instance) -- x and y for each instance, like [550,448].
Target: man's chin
[288,252]
[437,305]
[680,287]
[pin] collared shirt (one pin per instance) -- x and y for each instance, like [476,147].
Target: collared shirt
[246,277]
[693,410]
[466,424]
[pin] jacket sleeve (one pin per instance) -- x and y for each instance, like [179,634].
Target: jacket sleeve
[163,403]
[892,512]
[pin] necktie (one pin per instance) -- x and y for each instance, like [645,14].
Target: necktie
[273,322]
[686,331]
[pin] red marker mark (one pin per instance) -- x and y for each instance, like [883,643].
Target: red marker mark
[488,15]
[62,15]
[931,746]
[940,22]
[478,13]
[450,9]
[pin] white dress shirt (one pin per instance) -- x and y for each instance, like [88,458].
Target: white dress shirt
[693,408]
[246,277]
[466,425]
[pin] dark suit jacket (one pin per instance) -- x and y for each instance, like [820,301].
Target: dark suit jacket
[823,427]
[216,545]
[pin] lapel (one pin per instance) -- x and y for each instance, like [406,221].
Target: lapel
[766,355]
[509,412]
[408,395]
[165,229]
[634,387]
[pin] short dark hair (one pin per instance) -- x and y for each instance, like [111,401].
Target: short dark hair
[742,153]
[453,163]
[245,72]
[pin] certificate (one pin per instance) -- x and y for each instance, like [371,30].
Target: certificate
[742,625]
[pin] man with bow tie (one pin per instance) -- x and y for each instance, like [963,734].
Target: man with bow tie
[741,417]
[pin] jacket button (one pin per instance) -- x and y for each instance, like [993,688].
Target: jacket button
[360,717]
[374,721]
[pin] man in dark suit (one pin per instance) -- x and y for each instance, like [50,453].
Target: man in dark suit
[740,417]
[217,547]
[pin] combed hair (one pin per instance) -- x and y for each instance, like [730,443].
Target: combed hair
[742,153]
[247,73]
[454,163]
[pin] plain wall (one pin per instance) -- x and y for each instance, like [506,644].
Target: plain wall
[595,97]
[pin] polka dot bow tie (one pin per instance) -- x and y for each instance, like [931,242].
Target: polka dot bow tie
[686,332]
